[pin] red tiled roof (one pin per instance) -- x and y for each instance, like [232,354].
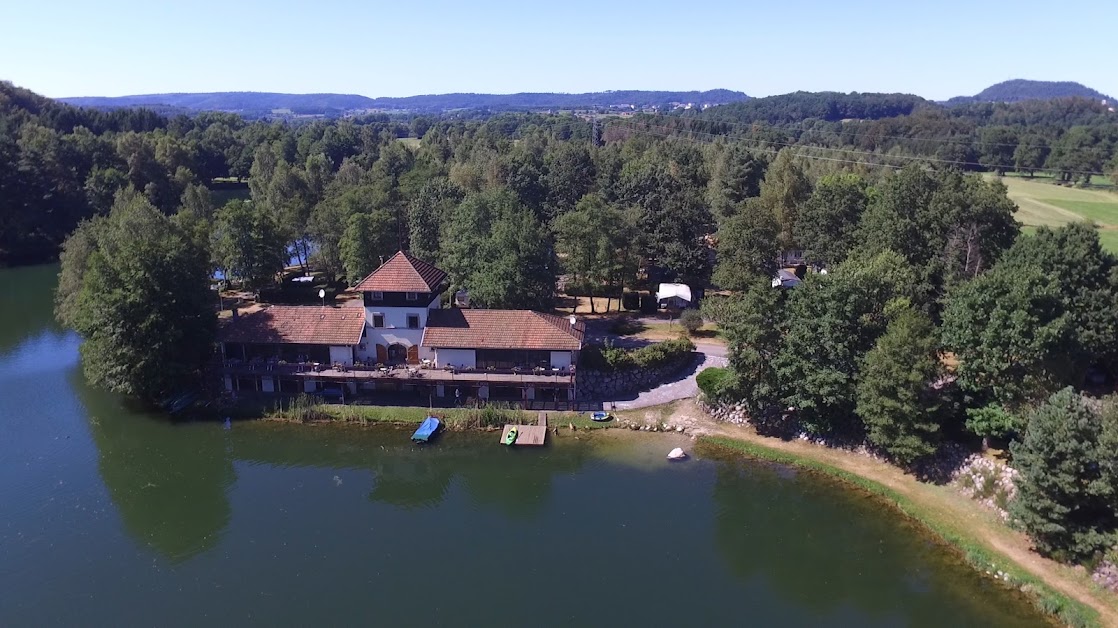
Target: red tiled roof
[402,273]
[297,324]
[501,329]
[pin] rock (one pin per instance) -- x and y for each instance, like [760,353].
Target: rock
[679,428]
[677,454]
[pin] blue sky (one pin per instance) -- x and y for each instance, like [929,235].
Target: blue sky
[934,49]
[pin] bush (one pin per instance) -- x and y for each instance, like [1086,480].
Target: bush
[691,320]
[631,301]
[714,381]
[610,358]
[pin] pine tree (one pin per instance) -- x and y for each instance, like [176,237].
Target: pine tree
[1065,494]
[896,399]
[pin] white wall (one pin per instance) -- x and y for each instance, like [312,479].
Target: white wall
[457,357]
[560,359]
[342,354]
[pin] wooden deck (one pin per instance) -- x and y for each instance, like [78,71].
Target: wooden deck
[534,435]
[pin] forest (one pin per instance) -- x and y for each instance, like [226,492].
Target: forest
[938,320]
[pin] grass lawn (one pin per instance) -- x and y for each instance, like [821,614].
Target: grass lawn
[221,196]
[1040,202]
[1101,212]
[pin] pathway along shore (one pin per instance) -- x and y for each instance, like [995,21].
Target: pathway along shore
[959,520]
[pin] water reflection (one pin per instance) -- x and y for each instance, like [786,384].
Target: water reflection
[168,482]
[801,536]
[515,483]
[26,304]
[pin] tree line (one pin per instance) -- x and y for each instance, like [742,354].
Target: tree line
[936,321]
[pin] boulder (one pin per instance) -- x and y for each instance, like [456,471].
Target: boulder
[677,454]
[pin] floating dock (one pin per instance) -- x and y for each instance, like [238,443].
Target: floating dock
[528,434]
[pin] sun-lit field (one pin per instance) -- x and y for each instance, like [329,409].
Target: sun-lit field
[1042,203]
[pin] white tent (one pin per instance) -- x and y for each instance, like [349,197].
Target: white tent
[673,291]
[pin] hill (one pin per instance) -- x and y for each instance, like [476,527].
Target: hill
[830,106]
[1022,89]
[248,102]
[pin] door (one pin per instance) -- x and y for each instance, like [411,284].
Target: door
[382,354]
[413,354]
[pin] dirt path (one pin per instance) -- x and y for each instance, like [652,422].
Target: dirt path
[944,503]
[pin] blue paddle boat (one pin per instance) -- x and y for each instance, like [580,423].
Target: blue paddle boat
[426,430]
[601,416]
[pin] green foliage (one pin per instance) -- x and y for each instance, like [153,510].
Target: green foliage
[896,397]
[691,320]
[595,241]
[785,189]
[247,243]
[428,212]
[948,226]
[1066,490]
[993,421]
[747,247]
[500,253]
[368,241]
[831,322]
[1004,326]
[610,358]
[752,323]
[714,382]
[1084,278]
[143,303]
[828,222]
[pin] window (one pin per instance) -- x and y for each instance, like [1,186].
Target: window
[413,321]
[378,320]
[377,295]
[413,296]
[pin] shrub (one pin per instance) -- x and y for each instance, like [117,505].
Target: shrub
[691,320]
[714,381]
[610,358]
[631,301]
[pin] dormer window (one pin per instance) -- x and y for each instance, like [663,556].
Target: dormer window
[377,295]
[413,296]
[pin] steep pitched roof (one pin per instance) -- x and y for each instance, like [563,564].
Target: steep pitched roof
[403,273]
[501,329]
[297,324]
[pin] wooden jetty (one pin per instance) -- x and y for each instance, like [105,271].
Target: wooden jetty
[528,434]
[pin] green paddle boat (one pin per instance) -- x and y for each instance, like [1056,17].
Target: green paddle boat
[510,438]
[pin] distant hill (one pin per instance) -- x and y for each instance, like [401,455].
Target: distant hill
[829,106]
[336,103]
[1022,89]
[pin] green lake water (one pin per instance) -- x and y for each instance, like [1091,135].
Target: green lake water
[109,517]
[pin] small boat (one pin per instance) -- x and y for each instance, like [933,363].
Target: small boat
[510,437]
[601,416]
[426,430]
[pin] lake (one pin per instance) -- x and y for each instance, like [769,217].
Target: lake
[112,517]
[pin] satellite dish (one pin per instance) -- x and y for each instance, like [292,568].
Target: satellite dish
[321,293]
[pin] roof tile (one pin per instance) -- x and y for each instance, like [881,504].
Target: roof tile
[501,329]
[403,273]
[297,324]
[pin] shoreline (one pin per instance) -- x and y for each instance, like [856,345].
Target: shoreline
[989,546]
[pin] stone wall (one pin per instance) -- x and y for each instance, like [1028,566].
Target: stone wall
[604,385]
[725,412]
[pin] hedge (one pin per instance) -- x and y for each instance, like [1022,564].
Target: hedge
[714,381]
[611,358]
